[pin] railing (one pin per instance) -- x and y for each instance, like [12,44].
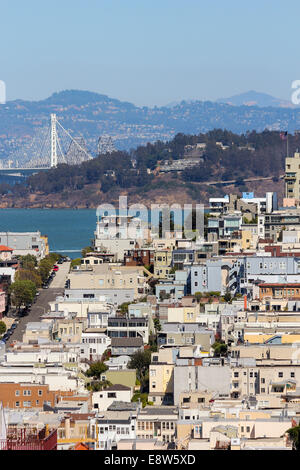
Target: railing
[21,441]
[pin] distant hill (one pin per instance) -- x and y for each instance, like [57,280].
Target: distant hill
[254,98]
[91,115]
[228,162]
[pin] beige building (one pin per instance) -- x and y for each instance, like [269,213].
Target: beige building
[141,444]
[79,307]
[261,335]
[181,314]
[162,263]
[268,353]
[68,330]
[292,176]
[195,399]
[73,428]
[188,334]
[157,423]
[108,276]
[161,377]
[250,428]
[36,331]
[269,380]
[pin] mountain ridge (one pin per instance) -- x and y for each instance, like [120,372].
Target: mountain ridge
[92,114]
[254,98]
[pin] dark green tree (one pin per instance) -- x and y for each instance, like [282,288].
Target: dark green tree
[140,361]
[2,327]
[220,348]
[157,324]
[96,369]
[22,293]
[294,435]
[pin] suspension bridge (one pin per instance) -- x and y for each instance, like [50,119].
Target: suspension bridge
[51,145]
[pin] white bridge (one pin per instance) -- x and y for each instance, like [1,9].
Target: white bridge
[51,146]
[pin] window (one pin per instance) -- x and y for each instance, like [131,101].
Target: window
[17,393]
[17,404]
[26,393]
[111,395]
[280,374]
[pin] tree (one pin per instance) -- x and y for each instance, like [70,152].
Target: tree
[220,348]
[45,267]
[87,249]
[75,262]
[140,361]
[142,397]
[53,257]
[29,275]
[96,369]
[157,324]
[98,385]
[124,307]
[2,327]
[227,297]
[22,293]
[294,435]
[28,261]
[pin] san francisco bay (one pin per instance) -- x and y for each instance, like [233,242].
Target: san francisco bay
[68,230]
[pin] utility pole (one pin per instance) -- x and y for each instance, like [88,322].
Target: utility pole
[53,141]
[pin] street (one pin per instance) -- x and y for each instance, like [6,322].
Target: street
[41,304]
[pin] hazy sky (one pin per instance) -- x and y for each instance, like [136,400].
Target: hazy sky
[149,52]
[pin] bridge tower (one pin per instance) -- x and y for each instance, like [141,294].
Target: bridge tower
[53,141]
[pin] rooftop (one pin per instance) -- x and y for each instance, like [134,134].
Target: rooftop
[127,342]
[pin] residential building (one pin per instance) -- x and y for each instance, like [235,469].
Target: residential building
[103,399]
[24,243]
[126,345]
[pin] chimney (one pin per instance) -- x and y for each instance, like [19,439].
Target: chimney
[67,428]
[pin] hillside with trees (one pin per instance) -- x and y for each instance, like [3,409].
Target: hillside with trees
[227,156]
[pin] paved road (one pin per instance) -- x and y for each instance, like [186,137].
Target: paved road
[61,275]
[41,305]
[253,178]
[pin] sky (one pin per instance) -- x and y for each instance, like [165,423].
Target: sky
[149,52]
